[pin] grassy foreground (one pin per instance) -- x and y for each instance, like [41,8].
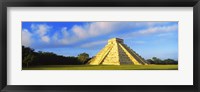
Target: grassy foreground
[103,67]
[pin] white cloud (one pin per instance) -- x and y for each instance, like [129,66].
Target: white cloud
[26,38]
[84,31]
[55,36]
[92,44]
[101,28]
[45,39]
[78,33]
[152,30]
[42,30]
[33,26]
[65,39]
[94,29]
[164,34]
[64,32]
[159,29]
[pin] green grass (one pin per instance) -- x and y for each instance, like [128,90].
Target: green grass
[103,67]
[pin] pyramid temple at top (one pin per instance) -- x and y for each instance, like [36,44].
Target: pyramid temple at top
[117,53]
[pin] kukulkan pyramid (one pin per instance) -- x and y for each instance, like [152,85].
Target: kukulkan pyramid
[117,53]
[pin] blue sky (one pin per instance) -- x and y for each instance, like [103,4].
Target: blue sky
[149,39]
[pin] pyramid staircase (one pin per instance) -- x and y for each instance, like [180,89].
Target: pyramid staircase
[135,55]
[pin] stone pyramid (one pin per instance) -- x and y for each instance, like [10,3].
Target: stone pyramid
[117,53]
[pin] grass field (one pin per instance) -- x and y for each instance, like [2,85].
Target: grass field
[103,67]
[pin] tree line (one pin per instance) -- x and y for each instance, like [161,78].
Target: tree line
[156,60]
[33,58]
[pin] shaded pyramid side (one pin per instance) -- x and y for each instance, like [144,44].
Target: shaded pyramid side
[136,58]
[129,55]
[124,59]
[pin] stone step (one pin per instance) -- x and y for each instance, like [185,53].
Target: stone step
[137,57]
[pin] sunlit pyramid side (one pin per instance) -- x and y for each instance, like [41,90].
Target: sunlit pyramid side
[117,53]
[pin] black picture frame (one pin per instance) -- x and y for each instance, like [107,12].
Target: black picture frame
[101,3]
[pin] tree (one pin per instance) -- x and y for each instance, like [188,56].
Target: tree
[170,61]
[27,59]
[32,58]
[83,57]
[150,61]
[26,51]
[156,60]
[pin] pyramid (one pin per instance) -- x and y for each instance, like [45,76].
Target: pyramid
[117,53]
